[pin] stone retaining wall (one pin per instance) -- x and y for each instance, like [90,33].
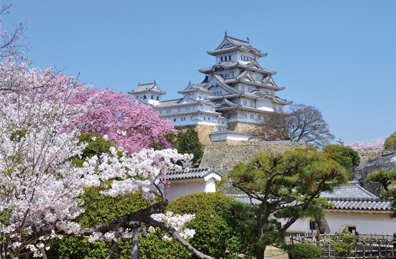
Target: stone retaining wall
[223,158]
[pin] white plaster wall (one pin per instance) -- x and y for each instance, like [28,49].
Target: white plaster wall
[180,188]
[265,105]
[365,223]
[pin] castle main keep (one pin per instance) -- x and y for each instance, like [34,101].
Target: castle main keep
[235,95]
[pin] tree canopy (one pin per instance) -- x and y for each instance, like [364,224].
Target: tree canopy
[390,142]
[345,156]
[303,123]
[287,187]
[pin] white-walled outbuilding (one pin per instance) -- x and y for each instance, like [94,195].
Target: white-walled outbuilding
[191,181]
[354,207]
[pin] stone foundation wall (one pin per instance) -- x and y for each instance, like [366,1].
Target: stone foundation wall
[241,127]
[203,133]
[223,158]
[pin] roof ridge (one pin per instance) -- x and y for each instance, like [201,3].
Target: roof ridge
[227,36]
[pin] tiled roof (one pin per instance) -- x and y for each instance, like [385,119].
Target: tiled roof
[351,191]
[149,87]
[194,88]
[244,198]
[240,64]
[191,173]
[346,197]
[236,44]
[359,204]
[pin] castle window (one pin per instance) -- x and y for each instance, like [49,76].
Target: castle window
[241,57]
[204,118]
[157,98]
[245,115]
[168,111]
[232,73]
[174,119]
[251,116]
[144,96]
[208,118]
[152,97]
[221,59]
[229,57]
[225,58]
[244,103]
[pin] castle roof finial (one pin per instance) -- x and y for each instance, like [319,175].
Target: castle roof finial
[225,33]
[247,39]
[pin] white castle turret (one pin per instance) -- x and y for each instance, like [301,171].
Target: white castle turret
[236,94]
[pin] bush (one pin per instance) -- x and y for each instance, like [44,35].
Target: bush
[215,234]
[343,243]
[304,251]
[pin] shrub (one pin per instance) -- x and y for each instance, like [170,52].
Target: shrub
[343,243]
[304,251]
[215,234]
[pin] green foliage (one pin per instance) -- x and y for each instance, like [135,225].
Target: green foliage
[390,142]
[295,178]
[343,242]
[187,142]
[94,147]
[384,177]
[345,156]
[222,228]
[303,251]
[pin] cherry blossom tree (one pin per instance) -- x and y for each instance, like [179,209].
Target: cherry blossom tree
[363,146]
[39,184]
[128,124]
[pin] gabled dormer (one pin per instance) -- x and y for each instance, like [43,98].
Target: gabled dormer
[217,87]
[149,92]
[232,49]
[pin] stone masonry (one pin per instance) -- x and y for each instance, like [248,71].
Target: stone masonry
[223,158]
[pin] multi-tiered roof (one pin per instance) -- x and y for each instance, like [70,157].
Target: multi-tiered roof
[236,89]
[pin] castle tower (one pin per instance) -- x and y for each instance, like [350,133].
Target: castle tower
[243,91]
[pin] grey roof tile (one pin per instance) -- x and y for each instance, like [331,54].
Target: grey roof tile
[345,197]
[190,174]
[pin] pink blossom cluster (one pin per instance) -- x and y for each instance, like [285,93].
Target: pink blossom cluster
[128,124]
[364,146]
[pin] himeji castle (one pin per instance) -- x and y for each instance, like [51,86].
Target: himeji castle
[235,95]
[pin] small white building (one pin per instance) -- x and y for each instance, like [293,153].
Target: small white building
[354,207]
[192,181]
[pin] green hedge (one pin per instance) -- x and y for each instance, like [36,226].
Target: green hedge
[304,251]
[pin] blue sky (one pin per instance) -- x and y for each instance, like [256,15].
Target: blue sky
[339,56]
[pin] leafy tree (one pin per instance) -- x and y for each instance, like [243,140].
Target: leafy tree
[385,178]
[390,142]
[302,123]
[287,187]
[345,156]
[185,142]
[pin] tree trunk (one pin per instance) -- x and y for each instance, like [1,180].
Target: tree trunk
[260,252]
[135,248]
